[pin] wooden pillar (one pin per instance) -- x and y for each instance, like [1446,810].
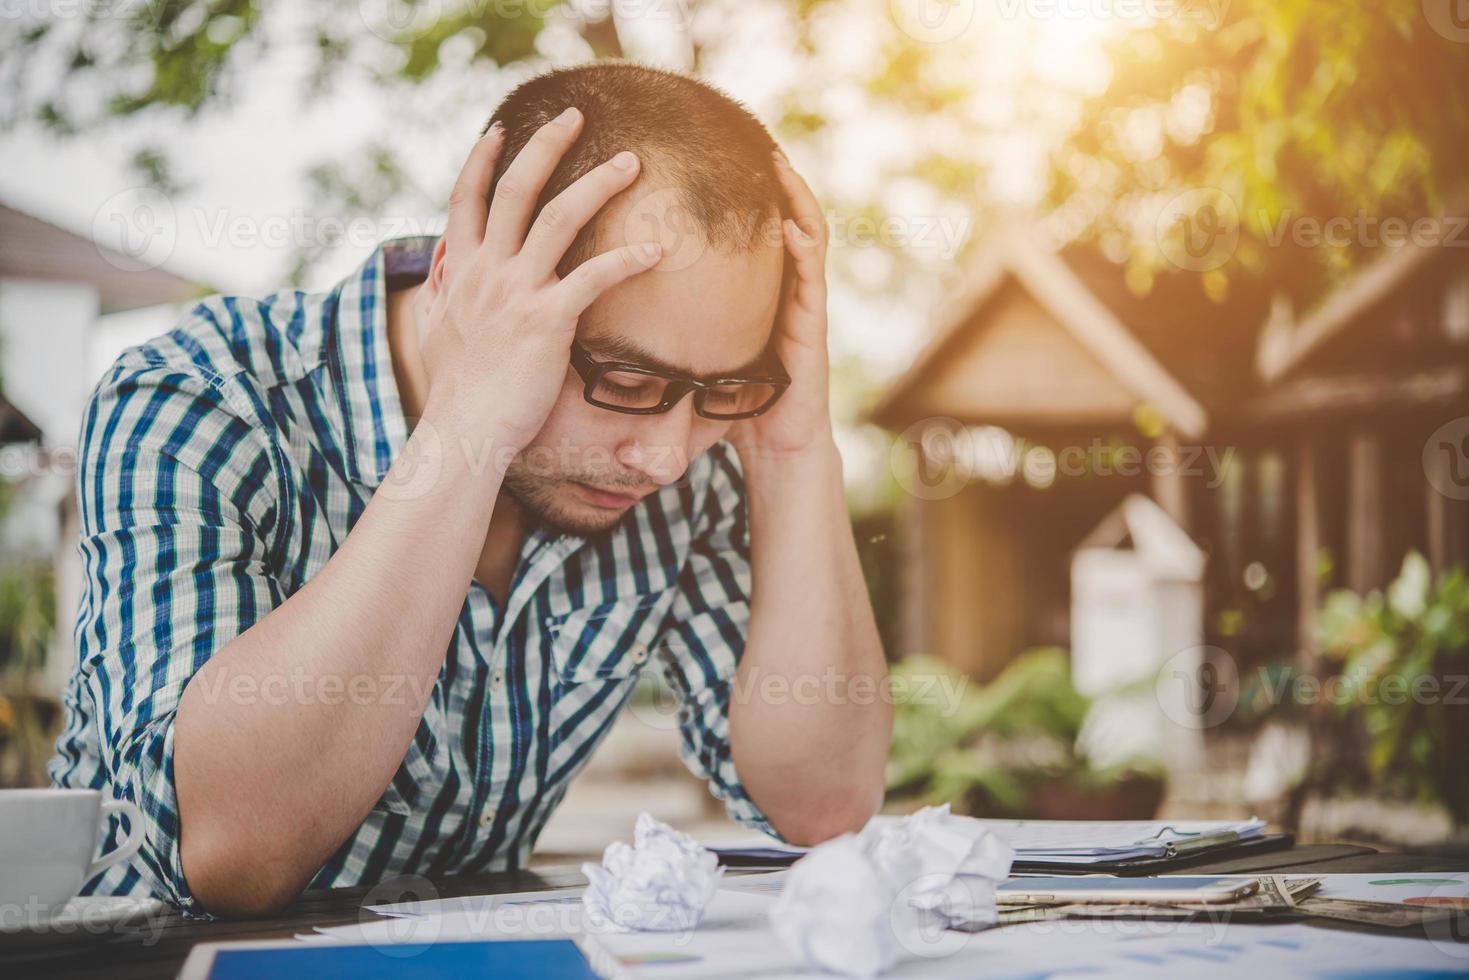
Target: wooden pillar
[1308,548]
[915,519]
[1436,510]
[1169,485]
[1364,512]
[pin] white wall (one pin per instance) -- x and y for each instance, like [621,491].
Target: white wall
[45,352]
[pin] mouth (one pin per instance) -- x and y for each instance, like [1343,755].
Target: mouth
[606,499]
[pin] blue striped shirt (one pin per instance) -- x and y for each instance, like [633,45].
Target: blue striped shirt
[224,463]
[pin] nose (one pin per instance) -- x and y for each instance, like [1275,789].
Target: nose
[659,445]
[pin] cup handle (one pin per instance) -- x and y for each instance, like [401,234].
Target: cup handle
[129,846]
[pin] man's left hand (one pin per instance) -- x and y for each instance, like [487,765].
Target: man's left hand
[801,420]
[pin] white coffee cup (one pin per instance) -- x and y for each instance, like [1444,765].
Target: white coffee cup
[47,841]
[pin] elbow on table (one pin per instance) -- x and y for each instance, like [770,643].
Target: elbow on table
[817,824]
[237,882]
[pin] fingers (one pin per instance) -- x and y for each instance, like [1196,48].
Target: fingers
[805,240]
[601,272]
[468,204]
[520,186]
[809,255]
[565,215]
[805,209]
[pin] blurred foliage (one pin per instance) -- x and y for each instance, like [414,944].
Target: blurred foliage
[1292,108]
[27,620]
[192,55]
[74,72]
[993,750]
[184,59]
[1403,659]
[1289,107]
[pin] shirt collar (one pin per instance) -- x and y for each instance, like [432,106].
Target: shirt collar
[373,428]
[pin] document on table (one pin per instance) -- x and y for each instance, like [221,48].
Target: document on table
[1078,842]
[1211,949]
[479,903]
[1093,841]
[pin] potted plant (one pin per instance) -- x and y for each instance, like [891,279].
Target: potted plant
[1400,709]
[1008,748]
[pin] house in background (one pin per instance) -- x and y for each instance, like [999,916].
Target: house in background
[65,302]
[15,428]
[1299,454]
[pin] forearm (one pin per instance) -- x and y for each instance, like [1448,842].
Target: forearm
[811,747]
[287,736]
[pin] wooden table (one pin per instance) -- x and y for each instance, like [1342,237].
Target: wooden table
[159,949]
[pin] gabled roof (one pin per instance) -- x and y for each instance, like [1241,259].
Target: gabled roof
[1286,345]
[1163,547]
[1016,254]
[31,248]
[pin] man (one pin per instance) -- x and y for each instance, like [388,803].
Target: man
[557,461]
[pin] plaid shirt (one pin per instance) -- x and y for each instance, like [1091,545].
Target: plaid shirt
[223,464]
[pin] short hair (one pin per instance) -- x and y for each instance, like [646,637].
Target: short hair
[686,134]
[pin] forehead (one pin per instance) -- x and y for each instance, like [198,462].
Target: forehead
[706,310]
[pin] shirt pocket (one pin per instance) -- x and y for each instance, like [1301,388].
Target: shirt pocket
[607,642]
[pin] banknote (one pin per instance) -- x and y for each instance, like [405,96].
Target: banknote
[1276,895]
[1388,914]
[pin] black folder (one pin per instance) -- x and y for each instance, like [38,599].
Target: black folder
[773,860]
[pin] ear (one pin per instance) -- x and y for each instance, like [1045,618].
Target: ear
[433,285]
[436,266]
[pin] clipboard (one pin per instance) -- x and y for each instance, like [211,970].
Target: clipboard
[1187,858]
[773,860]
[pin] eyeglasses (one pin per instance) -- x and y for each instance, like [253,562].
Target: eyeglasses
[637,390]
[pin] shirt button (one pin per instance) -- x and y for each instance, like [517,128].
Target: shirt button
[639,654]
[497,679]
[487,818]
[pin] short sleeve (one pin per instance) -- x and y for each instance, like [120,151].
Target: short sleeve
[709,622]
[175,500]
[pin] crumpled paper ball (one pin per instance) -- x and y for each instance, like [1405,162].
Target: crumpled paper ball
[856,903]
[662,882]
[836,908]
[950,865]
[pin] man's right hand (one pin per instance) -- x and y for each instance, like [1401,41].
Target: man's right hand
[496,343]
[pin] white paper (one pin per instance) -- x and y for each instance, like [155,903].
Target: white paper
[733,940]
[539,920]
[1156,950]
[839,911]
[857,904]
[660,883]
[769,884]
[949,866]
[475,903]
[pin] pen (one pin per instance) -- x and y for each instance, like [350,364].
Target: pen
[1200,843]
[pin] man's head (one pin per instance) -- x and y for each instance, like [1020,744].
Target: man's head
[708,193]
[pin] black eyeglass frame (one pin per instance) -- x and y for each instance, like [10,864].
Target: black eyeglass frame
[678,385]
